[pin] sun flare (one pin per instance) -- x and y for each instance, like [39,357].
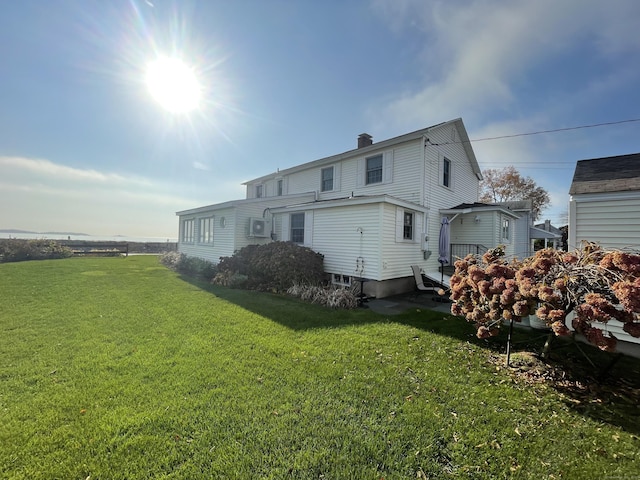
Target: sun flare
[174,85]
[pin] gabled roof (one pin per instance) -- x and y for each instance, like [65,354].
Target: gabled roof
[610,174]
[464,140]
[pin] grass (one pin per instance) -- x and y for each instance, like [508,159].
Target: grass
[117,368]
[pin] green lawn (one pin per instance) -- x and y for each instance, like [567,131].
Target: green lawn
[117,368]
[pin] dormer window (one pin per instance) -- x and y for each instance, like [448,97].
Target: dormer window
[259,191]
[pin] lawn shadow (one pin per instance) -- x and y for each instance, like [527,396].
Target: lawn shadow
[609,395]
[295,314]
[600,385]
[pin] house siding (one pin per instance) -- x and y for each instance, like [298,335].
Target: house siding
[398,254]
[444,143]
[400,180]
[612,221]
[465,184]
[466,231]
[235,234]
[521,244]
[358,229]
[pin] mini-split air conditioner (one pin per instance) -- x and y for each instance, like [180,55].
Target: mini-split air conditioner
[258,227]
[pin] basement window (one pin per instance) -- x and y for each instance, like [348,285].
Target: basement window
[341,280]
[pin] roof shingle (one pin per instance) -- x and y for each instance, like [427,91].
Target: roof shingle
[610,174]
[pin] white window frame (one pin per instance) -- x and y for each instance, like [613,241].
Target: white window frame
[506,229]
[279,187]
[361,172]
[259,191]
[322,179]
[340,280]
[447,173]
[205,230]
[411,225]
[367,170]
[296,228]
[188,230]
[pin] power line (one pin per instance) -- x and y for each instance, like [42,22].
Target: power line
[540,132]
[557,130]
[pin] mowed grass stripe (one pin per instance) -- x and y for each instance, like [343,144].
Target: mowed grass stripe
[120,368]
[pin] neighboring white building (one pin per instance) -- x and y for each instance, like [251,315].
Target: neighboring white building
[604,203]
[372,211]
[604,207]
[550,234]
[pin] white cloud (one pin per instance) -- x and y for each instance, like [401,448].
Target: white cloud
[201,166]
[53,172]
[41,195]
[481,55]
[477,51]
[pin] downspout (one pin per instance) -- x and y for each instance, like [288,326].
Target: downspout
[272,235]
[426,192]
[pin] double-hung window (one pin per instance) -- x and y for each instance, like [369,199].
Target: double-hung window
[505,229]
[446,172]
[374,170]
[188,230]
[297,227]
[259,191]
[326,184]
[205,230]
[279,187]
[407,226]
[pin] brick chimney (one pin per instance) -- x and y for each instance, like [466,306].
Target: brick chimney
[364,140]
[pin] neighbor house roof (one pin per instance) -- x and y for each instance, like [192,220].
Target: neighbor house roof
[610,174]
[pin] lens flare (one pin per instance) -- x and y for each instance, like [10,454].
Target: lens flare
[174,85]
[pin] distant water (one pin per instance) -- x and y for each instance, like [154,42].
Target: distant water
[88,238]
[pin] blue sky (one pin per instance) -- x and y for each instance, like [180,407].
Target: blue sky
[84,146]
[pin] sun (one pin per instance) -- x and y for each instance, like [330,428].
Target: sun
[174,85]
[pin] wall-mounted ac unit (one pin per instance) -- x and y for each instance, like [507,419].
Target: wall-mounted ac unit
[259,227]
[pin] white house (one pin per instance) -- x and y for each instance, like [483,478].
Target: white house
[604,207]
[604,202]
[372,211]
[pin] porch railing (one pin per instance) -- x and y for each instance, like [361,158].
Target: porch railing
[461,250]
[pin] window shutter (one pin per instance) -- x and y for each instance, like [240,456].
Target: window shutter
[308,229]
[387,167]
[336,177]
[360,172]
[399,223]
[286,232]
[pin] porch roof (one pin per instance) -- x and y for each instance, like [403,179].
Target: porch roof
[350,201]
[539,233]
[465,208]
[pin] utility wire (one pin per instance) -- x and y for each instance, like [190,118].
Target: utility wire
[557,130]
[540,132]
